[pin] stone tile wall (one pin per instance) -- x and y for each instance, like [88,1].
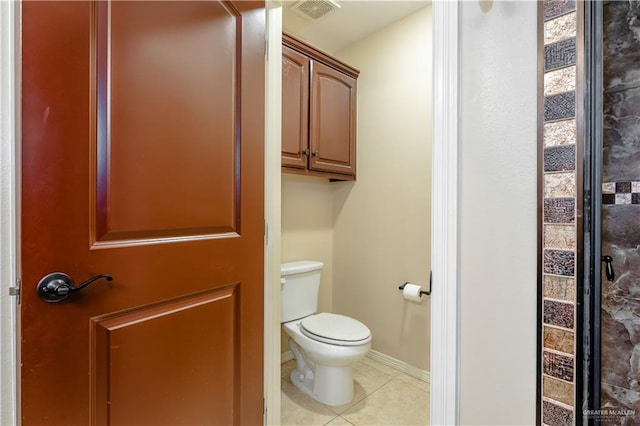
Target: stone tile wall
[621,212]
[559,232]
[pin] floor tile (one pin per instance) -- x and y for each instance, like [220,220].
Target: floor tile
[298,409]
[367,380]
[396,403]
[339,421]
[420,384]
[286,369]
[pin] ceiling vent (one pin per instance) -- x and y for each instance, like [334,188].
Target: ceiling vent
[315,9]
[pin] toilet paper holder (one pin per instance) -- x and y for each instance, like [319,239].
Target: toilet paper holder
[422,292]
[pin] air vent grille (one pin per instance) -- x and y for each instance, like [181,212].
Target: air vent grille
[315,9]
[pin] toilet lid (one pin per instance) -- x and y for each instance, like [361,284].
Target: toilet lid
[335,329]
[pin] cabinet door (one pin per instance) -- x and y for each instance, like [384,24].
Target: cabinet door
[295,108]
[332,123]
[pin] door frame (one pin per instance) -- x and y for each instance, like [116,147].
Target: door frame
[444,392]
[9,226]
[445,216]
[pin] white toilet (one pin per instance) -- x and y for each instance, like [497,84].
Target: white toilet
[325,345]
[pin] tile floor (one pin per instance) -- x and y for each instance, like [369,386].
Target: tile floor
[383,396]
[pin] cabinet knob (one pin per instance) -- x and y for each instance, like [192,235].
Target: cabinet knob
[306,152]
[315,153]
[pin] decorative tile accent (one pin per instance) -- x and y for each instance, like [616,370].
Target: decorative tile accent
[560,28]
[561,237]
[560,133]
[558,339]
[558,81]
[560,54]
[621,193]
[623,187]
[557,390]
[560,158]
[559,210]
[559,262]
[560,288]
[623,198]
[560,106]
[557,365]
[555,8]
[555,415]
[559,185]
[608,198]
[558,313]
[559,191]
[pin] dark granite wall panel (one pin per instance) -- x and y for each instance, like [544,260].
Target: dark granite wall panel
[621,154]
[621,44]
[620,214]
[560,106]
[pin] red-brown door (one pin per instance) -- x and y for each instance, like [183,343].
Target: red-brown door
[142,158]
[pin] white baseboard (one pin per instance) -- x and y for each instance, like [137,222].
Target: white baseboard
[394,363]
[401,366]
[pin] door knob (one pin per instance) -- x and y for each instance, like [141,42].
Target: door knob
[57,286]
[608,260]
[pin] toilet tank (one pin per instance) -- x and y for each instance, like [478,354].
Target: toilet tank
[300,284]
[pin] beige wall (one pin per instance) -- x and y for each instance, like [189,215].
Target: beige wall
[498,213]
[382,221]
[307,229]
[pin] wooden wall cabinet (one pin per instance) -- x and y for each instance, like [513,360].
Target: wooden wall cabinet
[318,112]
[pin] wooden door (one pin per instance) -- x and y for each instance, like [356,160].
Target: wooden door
[332,120]
[142,158]
[295,108]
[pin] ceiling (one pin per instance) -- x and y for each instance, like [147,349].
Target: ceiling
[354,20]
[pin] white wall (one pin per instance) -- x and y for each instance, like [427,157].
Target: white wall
[382,221]
[498,213]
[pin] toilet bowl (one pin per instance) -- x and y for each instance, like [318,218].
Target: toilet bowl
[325,345]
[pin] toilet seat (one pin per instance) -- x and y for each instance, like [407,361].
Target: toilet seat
[335,329]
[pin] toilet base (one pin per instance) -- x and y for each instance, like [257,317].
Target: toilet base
[329,385]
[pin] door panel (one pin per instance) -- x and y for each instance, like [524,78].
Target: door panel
[156,90]
[295,108]
[333,120]
[165,353]
[142,157]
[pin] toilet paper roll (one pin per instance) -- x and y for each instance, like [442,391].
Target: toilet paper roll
[412,292]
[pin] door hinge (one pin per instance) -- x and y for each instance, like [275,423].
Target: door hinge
[266,233]
[15,290]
